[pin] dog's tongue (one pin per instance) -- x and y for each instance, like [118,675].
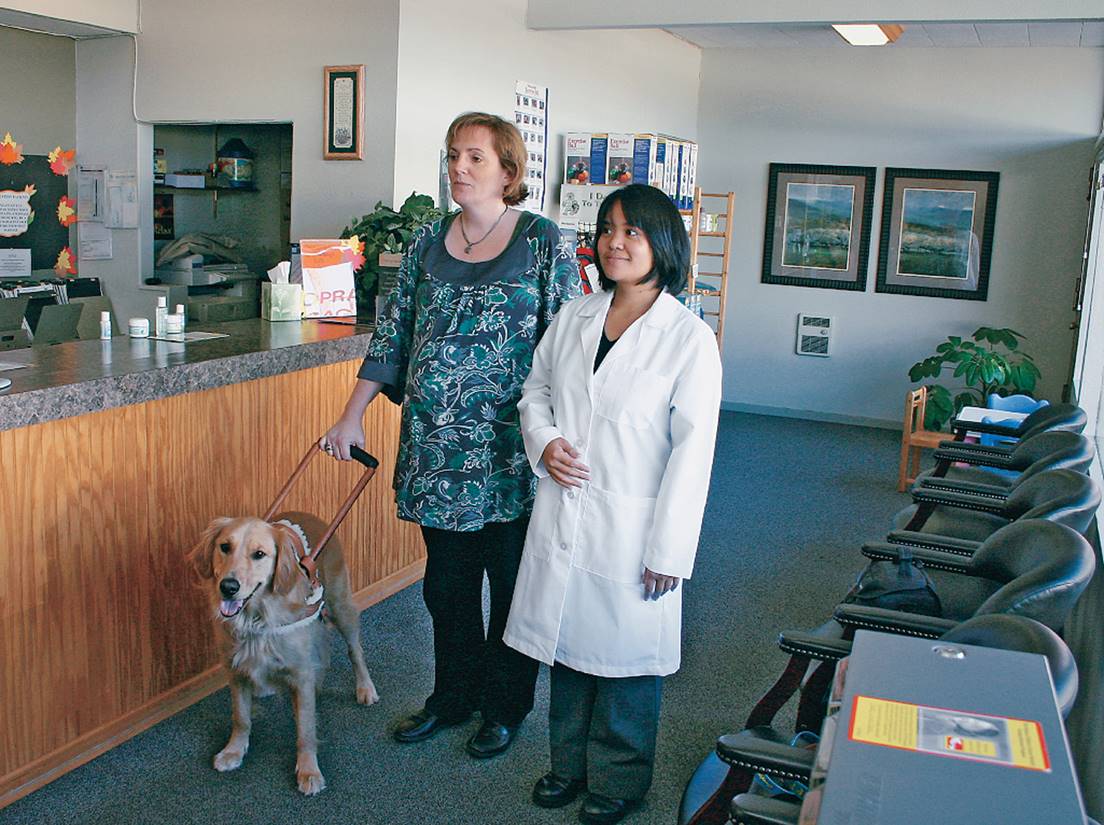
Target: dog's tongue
[231,607]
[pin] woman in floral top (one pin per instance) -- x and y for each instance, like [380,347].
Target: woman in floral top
[475,292]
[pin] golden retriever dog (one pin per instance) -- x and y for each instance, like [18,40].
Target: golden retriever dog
[259,599]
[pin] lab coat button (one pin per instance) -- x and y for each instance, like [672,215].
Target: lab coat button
[563,545]
[570,494]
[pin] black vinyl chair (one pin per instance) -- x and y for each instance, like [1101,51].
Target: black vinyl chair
[1034,569]
[1064,496]
[1052,417]
[759,751]
[1058,450]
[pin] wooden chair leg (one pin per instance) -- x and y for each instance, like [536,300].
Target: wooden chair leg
[903,471]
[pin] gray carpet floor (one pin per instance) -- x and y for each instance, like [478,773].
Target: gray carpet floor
[789,505]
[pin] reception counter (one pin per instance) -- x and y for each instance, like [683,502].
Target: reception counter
[115,455]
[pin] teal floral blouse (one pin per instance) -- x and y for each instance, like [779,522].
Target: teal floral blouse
[454,345]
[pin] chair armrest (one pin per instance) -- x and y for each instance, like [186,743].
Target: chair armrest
[935,559]
[976,454]
[975,488]
[752,809]
[878,619]
[933,541]
[750,752]
[1005,428]
[961,501]
[815,647]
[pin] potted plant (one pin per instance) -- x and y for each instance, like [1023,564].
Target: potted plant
[987,362]
[386,231]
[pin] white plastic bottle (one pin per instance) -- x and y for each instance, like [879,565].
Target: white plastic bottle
[105,325]
[159,316]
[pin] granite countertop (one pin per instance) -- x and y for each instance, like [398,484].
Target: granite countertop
[79,377]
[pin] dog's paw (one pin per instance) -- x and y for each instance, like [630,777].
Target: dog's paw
[310,781]
[228,759]
[366,694]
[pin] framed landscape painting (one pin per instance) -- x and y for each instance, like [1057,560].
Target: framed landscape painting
[937,233]
[818,225]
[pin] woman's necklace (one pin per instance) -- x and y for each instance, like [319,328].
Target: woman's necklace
[470,243]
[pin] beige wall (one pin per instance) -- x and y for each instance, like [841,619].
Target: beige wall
[1031,114]
[458,58]
[38,104]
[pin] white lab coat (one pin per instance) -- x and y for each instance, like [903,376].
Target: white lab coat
[645,424]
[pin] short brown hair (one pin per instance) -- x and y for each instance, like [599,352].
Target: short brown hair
[508,145]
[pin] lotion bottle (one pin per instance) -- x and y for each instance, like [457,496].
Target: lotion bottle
[159,316]
[105,325]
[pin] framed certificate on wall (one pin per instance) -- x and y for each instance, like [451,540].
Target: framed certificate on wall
[343,113]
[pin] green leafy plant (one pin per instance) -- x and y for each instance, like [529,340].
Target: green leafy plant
[385,230]
[987,362]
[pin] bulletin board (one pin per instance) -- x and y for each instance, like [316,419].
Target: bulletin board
[45,236]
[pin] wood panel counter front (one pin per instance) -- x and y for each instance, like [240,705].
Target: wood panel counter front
[113,463]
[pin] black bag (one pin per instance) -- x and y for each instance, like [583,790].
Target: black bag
[896,585]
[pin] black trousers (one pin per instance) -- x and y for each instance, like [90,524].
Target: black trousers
[473,668]
[603,729]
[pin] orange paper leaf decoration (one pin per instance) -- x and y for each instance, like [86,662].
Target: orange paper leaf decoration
[66,211]
[65,264]
[10,151]
[61,162]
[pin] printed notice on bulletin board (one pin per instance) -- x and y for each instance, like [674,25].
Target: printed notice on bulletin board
[1000,740]
[531,117]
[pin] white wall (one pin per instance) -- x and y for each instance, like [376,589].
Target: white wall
[206,61]
[456,58]
[107,136]
[120,15]
[38,105]
[1030,114]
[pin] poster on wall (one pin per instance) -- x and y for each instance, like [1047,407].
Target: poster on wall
[531,117]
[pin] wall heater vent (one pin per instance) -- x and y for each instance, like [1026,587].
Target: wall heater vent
[814,335]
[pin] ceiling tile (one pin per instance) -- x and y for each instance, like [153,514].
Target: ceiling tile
[1054,33]
[914,35]
[952,34]
[1092,33]
[1002,34]
[815,36]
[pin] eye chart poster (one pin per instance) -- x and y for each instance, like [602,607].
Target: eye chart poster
[531,117]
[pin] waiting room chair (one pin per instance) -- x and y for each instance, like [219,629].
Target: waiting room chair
[999,473]
[1064,496]
[1051,417]
[1023,404]
[914,437]
[759,751]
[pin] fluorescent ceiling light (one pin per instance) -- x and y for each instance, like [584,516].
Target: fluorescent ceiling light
[868,34]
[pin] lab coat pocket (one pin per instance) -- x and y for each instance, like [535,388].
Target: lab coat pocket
[635,397]
[542,524]
[613,536]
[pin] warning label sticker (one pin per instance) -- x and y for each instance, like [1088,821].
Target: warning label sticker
[962,734]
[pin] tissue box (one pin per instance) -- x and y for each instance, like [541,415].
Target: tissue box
[281,302]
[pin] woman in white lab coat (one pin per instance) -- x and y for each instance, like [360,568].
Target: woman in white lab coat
[619,417]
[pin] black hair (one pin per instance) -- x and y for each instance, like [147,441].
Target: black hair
[652,212]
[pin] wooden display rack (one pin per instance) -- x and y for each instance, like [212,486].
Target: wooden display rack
[716,285]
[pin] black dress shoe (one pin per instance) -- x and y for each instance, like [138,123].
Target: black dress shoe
[604,810]
[555,791]
[490,740]
[422,725]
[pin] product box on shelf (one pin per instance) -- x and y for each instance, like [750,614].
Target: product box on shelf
[585,157]
[645,167]
[619,160]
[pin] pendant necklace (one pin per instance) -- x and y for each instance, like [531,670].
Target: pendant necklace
[470,243]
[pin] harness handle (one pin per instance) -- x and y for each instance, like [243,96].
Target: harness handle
[370,463]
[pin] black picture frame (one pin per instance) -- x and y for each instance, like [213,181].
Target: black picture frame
[839,202]
[937,233]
